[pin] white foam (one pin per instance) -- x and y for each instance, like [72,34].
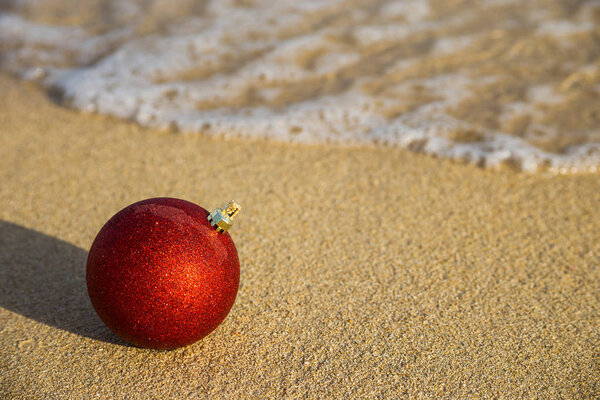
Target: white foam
[561,28]
[413,10]
[287,71]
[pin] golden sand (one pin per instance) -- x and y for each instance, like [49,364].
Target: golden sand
[366,273]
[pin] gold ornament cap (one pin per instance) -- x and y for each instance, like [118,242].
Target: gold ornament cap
[222,219]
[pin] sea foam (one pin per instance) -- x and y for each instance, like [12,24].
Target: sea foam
[493,83]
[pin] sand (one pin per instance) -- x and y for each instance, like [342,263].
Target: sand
[366,272]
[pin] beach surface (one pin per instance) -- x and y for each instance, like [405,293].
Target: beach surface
[365,272]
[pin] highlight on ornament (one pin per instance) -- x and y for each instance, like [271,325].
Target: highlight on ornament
[163,273]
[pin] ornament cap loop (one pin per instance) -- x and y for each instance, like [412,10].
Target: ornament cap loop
[222,219]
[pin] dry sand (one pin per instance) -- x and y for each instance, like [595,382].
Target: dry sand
[366,273]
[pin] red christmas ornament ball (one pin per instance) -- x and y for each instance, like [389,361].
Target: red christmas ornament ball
[160,276]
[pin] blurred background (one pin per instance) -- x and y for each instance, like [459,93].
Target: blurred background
[496,82]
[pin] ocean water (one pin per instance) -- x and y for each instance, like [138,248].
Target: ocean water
[496,83]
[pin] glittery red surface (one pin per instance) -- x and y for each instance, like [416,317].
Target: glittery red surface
[160,276]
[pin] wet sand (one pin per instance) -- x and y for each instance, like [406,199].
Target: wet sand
[495,83]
